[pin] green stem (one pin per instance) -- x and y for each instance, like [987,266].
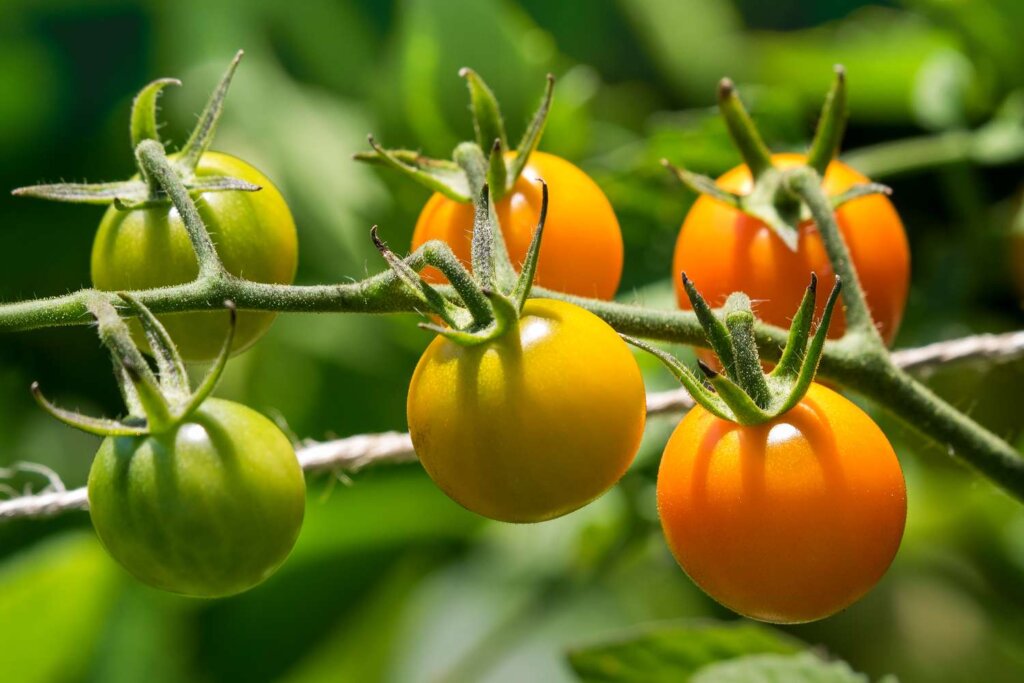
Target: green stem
[845,362]
[806,184]
[155,166]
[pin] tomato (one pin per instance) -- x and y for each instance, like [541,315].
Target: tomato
[788,521]
[209,509]
[724,250]
[254,235]
[533,424]
[582,251]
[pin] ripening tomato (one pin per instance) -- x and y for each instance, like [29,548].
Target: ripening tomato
[210,509]
[534,424]
[724,250]
[788,521]
[582,251]
[254,235]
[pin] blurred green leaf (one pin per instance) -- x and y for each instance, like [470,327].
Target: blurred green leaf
[674,652]
[51,599]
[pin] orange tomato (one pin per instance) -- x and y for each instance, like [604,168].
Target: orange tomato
[582,250]
[788,521]
[724,250]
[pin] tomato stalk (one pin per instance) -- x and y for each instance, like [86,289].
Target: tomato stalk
[770,200]
[157,402]
[743,392]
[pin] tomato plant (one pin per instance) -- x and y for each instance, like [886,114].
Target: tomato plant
[731,251]
[533,424]
[147,247]
[209,508]
[583,250]
[790,520]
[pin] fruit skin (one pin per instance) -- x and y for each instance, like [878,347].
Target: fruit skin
[210,509]
[534,424]
[789,521]
[724,250]
[254,235]
[582,252]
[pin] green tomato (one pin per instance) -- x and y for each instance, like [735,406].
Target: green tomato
[254,235]
[209,509]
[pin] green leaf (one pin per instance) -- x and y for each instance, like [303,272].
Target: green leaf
[674,652]
[801,668]
[51,600]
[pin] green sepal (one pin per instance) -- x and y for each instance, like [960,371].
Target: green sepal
[202,135]
[694,386]
[715,331]
[87,193]
[497,171]
[528,271]
[143,119]
[531,138]
[487,119]
[452,179]
[856,192]
[742,130]
[213,376]
[746,395]
[436,175]
[173,377]
[91,425]
[831,125]
[128,195]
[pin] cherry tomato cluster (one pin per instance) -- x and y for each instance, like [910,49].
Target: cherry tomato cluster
[785,503]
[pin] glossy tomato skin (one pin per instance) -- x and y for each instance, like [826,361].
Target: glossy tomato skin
[254,235]
[724,250]
[210,509]
[532,425]
[582,251]
[789,521]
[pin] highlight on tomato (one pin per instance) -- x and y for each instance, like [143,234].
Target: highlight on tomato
[583,252]
[747,233]
[190,494]
[779,498]
[521,409]
[142,242]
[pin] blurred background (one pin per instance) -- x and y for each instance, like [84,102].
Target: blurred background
[390,581]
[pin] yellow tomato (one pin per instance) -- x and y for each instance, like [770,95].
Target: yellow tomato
[534,424]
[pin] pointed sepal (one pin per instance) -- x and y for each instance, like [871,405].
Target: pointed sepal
[487,120]
[531,138]
[742,130]
[425,292]
[171,372]
[144,124]
[831,125]
[213,375]
[91,425]
[87,193]
[202,135]
[435,175]
[528,271]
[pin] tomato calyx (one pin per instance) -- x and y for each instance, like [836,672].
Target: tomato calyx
[771,199]
[742,392]
[157,401]
[145,191]
[491,297]
[453,178]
